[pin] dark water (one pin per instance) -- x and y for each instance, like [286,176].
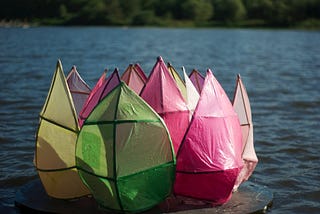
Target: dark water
[281,70]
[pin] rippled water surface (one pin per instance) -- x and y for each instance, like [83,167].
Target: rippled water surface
[280,68]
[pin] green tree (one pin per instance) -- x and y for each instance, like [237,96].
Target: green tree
[161,12]
[145,17]
[63,11]
[281,13]
[305,9]
[198,10]
[229,10]
[129,9]
[93,12]
[259,9]
[148,4]
[165,8]
[114,13]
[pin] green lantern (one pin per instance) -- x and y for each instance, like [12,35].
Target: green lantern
[124,153]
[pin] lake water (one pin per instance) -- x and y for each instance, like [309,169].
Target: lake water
[280,68]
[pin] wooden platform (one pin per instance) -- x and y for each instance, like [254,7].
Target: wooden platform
[250,198]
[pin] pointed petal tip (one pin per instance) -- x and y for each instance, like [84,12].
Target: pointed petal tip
[137,65]
[59,63]
[159,58]
[183,69]
[196,72]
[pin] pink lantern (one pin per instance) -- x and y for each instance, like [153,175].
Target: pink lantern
[209,158]
[134,78]
[100,93]
[163,95]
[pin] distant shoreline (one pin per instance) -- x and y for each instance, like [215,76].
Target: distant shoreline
[306,25]
[15,23]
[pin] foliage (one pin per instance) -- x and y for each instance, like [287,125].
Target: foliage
[229,10]
[284,13]
[197,10]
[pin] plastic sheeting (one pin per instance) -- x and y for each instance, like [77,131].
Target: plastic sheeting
[241,105]
[55,142]
[109,84]
[163,95]
[79,89]
[124,153]
[133,78]
[209,158]
[197,79]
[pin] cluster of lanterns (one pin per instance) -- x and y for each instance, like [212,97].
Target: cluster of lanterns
[134,140]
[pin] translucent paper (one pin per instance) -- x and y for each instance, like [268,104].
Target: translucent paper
[192,93]
[163,95]
[99,94]
[79,89]
[180,83]
[55,143]
[197,79]
[209,158]
[242,107]
[134,78]
[125,154]
[141,72]
[99,83]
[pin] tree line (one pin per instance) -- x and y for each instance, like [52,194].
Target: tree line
[273,13]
